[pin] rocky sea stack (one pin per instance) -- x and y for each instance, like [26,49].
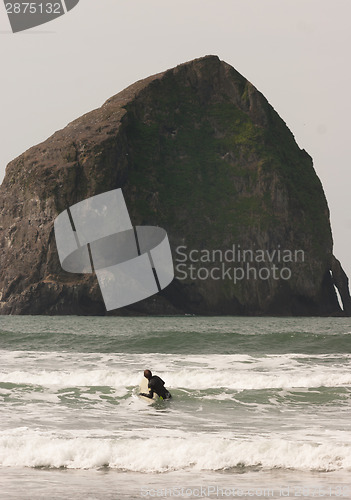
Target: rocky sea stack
[199,151]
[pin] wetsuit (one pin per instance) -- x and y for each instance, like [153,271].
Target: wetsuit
[156,384]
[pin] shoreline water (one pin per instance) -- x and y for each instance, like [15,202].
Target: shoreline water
[39,484]
[258,404]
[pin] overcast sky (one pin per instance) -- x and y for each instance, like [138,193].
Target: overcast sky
[296,52]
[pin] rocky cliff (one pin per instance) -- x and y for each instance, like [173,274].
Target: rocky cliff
[199,151]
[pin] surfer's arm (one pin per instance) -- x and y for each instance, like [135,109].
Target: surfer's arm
[145,395]
[151,393]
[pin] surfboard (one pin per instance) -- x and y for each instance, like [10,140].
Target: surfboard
[143,387]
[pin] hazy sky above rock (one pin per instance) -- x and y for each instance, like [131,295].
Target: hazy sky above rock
[296,52]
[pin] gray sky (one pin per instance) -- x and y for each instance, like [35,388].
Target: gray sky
[296,52]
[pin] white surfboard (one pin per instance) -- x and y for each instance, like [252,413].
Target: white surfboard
[143,387]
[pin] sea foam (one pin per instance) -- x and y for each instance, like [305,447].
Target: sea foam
[23,447]
[189,378]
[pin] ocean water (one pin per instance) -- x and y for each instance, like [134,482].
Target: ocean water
[261,408]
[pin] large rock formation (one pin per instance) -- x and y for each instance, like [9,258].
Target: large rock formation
[199,151]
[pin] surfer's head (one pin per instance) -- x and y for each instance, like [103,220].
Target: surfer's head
[147,374]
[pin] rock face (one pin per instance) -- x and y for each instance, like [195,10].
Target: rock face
[199,151]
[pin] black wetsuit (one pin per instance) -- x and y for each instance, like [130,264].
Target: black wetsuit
[156,384]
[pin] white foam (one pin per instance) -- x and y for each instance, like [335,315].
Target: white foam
[79,378]
[192,373]
[255,380]
[254,374]
[35,449]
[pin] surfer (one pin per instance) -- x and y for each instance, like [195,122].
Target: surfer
[156,384]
